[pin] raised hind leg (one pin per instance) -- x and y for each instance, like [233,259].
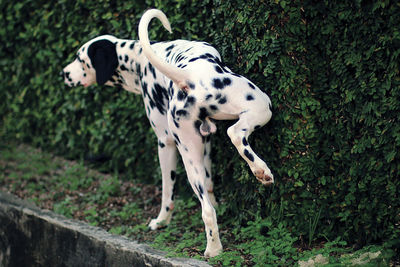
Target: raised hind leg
[239,133]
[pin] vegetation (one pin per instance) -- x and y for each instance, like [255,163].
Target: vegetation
[125,208]
[330,67]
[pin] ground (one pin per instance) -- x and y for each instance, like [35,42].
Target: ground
[126,207]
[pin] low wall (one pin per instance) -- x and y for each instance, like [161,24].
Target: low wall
[30,236]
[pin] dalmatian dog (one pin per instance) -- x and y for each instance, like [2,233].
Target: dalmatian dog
[185,89]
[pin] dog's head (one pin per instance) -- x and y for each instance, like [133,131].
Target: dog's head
[95,61]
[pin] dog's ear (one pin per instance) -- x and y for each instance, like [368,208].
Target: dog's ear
[103,56]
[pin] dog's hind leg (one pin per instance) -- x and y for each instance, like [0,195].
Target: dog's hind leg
[239,133]
[207,165]
[191,147]
[167,158]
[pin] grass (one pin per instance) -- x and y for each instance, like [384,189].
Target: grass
[126,207]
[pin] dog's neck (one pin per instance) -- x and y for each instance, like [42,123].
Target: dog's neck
[128,74]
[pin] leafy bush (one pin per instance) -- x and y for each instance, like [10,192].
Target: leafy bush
[330,67]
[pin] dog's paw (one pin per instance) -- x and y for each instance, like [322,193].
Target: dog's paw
[212,251]
[156,224]
[264,176]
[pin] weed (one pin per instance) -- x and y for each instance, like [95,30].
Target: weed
[65,208]
[312,226]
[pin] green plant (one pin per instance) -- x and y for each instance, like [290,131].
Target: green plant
[312,226]
[330,67]
[65,207]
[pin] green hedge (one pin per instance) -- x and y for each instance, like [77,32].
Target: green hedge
[330,67]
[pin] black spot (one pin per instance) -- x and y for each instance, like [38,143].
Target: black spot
[200,191]
[248,155]
[218,96]
[197,125]
[176,123]
[152,70]
[193,59]
[159,97]
[217,83]
[170,47]
[120,58]
[145,71]
[161,144]
[191,85]
[123,68]
[132,45]
[173,111]
[207,173]
[126,58]
[191,100]
[173,175]
[208,97]
[213,107]
[181,112]
[218,69]
[221,84]
[88,66]
[244,141]
[123,44]
[176,138]
[181,95]
[251,85]
[210,232]
[144,89]
[167,209]
[249,97]
[227,81]
[179,58]
[222,100]
[203,113]
[257,127]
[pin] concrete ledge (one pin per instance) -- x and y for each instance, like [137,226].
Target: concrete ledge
[30,236]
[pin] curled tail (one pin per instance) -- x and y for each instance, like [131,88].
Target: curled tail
[179,76]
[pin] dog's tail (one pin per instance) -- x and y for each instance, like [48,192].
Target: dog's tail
[179,76]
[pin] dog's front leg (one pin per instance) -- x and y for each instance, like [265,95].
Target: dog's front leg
[167,158]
